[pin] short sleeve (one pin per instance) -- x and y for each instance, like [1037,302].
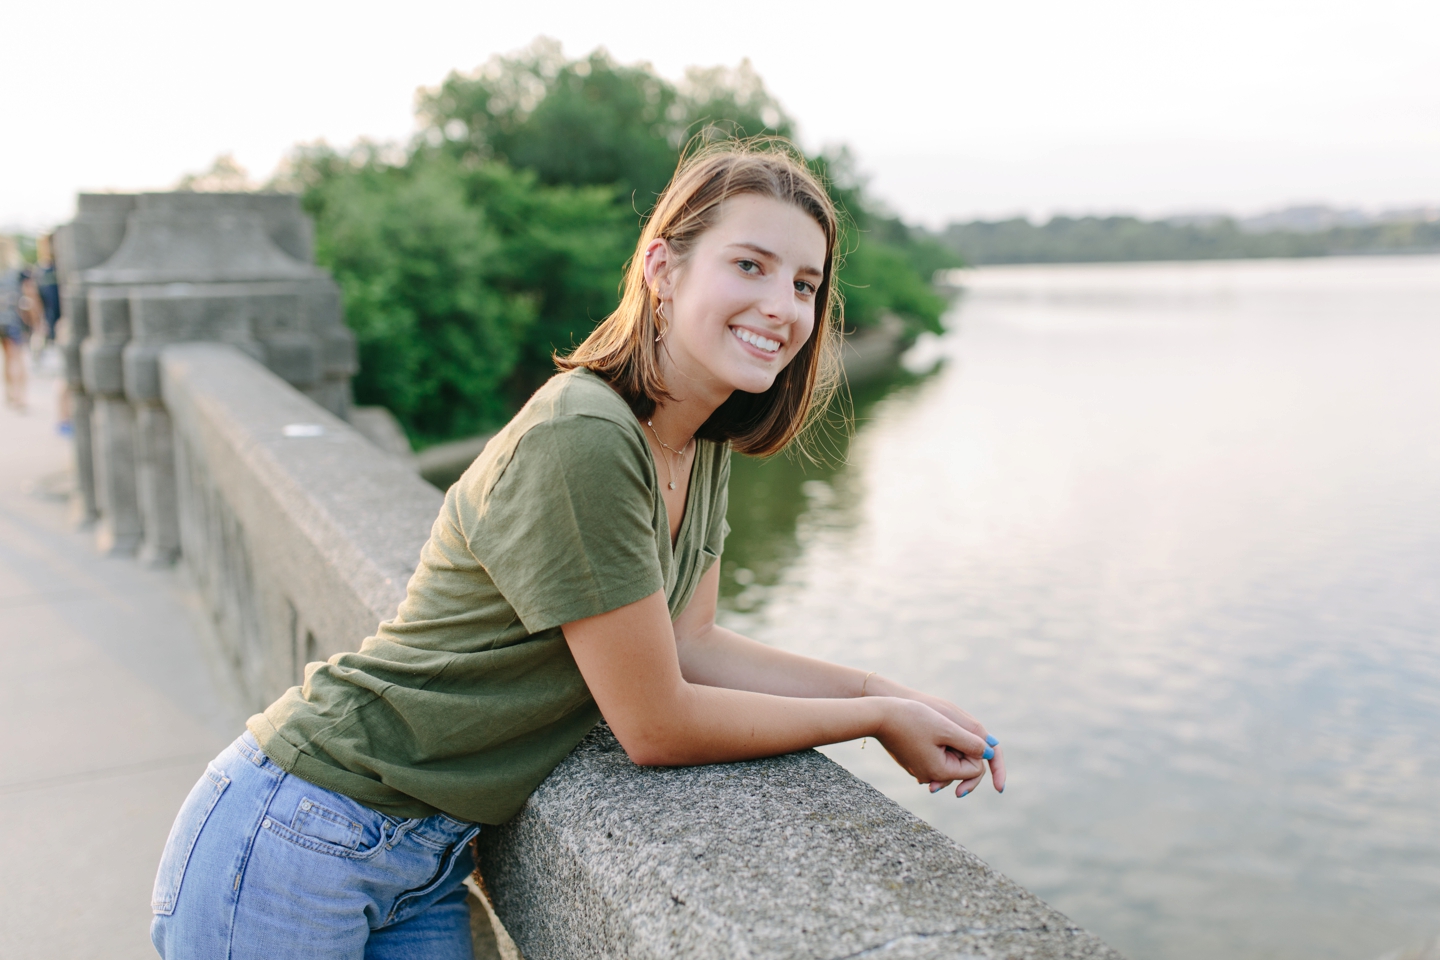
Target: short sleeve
[720,526]
[567,531]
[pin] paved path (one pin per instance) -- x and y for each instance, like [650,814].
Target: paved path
[110,705]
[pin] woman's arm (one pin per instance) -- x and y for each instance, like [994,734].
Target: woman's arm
[629,661]
[712,655]
[717,657]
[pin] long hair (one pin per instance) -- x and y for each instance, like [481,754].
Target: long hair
[624,349]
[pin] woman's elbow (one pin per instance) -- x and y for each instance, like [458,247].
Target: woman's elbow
[651,749]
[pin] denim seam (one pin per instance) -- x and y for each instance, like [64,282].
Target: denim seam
[259,758]
[427,841]
[218,778]
[460,825]
[245,859]
[457,828]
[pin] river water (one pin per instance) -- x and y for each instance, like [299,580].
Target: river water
[1173,532]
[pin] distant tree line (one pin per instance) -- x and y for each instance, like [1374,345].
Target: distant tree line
[499,233]
[1100,239]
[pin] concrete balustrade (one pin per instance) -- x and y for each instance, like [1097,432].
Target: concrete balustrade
[790,857]
[300,533]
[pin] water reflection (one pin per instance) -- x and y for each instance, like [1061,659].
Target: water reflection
[1173,531]
[769,497]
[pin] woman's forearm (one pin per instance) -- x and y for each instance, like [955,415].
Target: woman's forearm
[709,724]
[718,657]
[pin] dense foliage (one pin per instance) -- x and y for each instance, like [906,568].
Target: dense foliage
[1099,239]
[500,233]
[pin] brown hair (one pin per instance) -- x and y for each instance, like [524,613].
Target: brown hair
[623,348]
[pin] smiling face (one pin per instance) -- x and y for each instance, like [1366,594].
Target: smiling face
[742,304]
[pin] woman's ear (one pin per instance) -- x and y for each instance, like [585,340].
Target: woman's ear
[658,267]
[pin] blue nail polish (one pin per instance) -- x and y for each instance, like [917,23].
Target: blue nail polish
[935,788]
[991,740]
[989,752]
[965,794]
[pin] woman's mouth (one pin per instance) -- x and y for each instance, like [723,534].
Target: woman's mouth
[764,344]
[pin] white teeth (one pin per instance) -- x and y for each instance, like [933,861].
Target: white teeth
[754,339]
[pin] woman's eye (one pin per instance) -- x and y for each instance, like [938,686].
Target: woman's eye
[804,287]
[748,266]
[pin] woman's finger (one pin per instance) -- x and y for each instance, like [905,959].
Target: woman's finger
[997,770]
[968,766]
[961,768]
[937,785]
[967,786]
[971,745]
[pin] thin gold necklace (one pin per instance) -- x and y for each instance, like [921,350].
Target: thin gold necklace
[669,468]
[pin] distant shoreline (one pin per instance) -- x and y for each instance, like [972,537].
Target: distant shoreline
[941,276]
[1131,240]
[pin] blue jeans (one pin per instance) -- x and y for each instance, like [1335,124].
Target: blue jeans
[261,864]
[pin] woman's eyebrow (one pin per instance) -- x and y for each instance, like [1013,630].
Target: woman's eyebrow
[816,271]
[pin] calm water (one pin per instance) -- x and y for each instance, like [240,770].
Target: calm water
[1173,532]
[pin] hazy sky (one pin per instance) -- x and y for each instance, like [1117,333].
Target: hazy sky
[955,109]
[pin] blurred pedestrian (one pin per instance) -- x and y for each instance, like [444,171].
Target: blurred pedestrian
[47,285]
[13,330]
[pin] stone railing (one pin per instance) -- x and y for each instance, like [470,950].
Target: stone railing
[302,536]
[299,532]
[788,857]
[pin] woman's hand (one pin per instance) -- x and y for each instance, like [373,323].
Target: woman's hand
[929,746]
[879,686]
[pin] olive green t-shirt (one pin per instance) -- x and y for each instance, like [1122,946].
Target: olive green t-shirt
[469,697]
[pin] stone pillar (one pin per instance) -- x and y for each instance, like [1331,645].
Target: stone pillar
[156,489]
[75,309]
[113,424]
[167,268]
[89,240]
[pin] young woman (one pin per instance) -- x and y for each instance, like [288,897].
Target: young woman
[572,574]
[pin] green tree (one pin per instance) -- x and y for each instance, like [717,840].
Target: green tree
[418,266]
[564,248]
[592,121]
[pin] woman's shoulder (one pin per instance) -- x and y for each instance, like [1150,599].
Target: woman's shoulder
[576,393]
[575,417]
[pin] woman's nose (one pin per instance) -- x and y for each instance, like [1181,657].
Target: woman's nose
[780,304]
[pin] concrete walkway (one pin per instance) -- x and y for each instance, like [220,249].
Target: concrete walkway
[111,703]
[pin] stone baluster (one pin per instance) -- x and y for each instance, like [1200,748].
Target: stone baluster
[89,240]
[120,529]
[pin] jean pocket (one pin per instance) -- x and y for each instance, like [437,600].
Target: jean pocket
[188,823]
[336,833]
[328,826]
